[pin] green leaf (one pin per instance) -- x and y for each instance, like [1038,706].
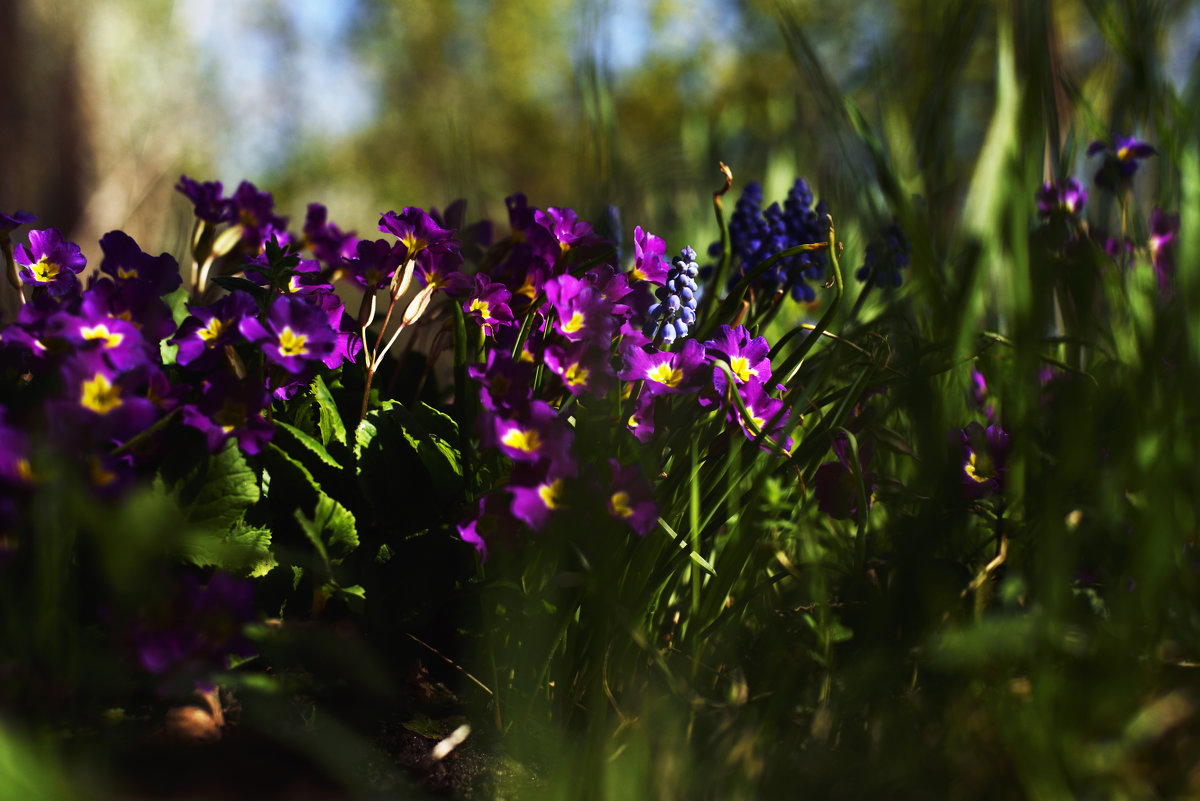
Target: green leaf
[220,492]
[332,530]
[232,282]
[244,553]
[309,444]
[329,419]
[177,302]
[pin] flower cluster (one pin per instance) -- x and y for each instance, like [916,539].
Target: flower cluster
[675,311]
[757,235]
[885,257]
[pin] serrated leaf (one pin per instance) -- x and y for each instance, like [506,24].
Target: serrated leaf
[243,553]
[310,445]
[329,420]
[219,494]
[332,529]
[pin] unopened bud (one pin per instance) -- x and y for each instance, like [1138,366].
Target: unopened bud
[227,240]
[402,278]
[418,306]
[366,311]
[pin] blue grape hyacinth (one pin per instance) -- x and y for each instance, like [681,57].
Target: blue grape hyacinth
[675,311]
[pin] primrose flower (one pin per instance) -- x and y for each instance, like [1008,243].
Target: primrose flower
[492,520]
[761,409]
[11,222]
[507,385]
[630,498]
[50,262]
[649,257]
[568,229]
[295,333]
[136,302]
[581,312]
[581,366]
[228,408]
[662,372]
[102,400]
[206,199]
[536,498]
[488,304]
[1164,230]
[1066,198]
[534,434]
[255,212]
[120,341]
[203,335]
[125,261]
[834,484]
[328,242]
[984,455]
[418,233]
[1121,158]
[747,358]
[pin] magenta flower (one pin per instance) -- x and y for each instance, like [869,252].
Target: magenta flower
[649,257]
[761,410]
[537,495]
[662,372]
[640,422]
[581,312]
[11,222]
[50,262]
[134,301]
[581,366]
[747,358]
[1164,230]
[630,498]
[534,434]
[120,341]
[373,265]
[568,229]
[1066,198]
[507,385]
[109,404]
[295,334]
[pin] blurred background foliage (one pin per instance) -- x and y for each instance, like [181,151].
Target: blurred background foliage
[369,105]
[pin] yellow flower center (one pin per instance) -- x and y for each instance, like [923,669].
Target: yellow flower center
[125,275]
[664,374]
[210,332]
[574,324]
[100,395]
[975,471]
[413,243]
[100,331]
[1123,154]
[755,419]
[637,275]
[100,476]
[620,504]
[232,415]
[45,271]
[291,343]
[576,376]
[521,440]
[740,366]
[551,493]
[483,307]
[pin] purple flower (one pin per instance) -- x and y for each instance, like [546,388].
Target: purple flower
[373,265]
[984,460]
[206,199]
[255,211]
[136,302]
[1066,198]
[50,262]
[492,520]
[761,409]
[120,341]
[230,408]
[568,229]
[641,422]
[534,434]
[203,336]
[1121,159]
[328,242]
[582,313]
[10,222]
[418,233]
[488,304]
[581,366]
[649,257]
[834,484]
[538,495]
[106,403]
[664,373]
[295,334]
[507,384]
[125,261]
[630,498]
[747,358]
[1164,230]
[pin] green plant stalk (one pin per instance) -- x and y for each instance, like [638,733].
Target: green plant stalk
[722,271]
